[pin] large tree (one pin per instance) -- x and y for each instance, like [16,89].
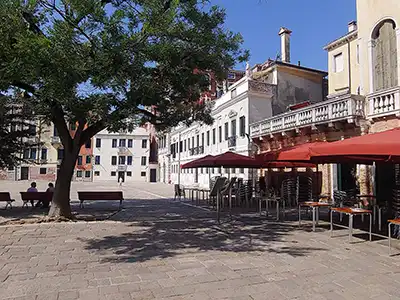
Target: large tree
[101,63]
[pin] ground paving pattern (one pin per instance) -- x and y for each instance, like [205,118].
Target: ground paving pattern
[160,249]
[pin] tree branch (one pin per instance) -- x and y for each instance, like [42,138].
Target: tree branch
[58,119]
[24,86]
[91,131]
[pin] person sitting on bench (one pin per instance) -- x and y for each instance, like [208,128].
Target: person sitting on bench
[32,189]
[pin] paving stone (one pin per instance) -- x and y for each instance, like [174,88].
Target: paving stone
[161,249]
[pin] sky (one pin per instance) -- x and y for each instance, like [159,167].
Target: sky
[314,23]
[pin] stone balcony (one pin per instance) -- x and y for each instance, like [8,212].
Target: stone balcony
[348,108]
[384,103]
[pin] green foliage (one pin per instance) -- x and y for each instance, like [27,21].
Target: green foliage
[100,62]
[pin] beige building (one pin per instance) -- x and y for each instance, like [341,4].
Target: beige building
[364,97]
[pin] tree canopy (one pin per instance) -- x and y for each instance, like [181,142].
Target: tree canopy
[99,63]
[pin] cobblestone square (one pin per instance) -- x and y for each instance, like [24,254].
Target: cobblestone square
[157,248]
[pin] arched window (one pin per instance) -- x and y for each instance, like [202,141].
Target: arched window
[385,55]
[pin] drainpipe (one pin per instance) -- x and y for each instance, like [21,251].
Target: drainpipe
[179,158]
[349,64]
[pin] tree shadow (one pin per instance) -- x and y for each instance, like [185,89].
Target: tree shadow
[163,229]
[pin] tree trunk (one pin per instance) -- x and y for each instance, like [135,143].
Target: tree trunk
[60,206]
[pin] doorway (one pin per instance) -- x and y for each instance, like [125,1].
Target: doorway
[153,175]
[121,175]
[24,173]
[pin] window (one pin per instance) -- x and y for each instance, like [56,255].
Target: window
[98,143]
[226,170]
[231,75]
[219,170]
[226,125]
[96,173]
[180,146]
[32,129]
[88,159]
[233,93]
[43,154]
[88,144]
[358,53]
[113,173]
[60,153]
[202,139]
[129,160]
[78,174]
[338,63]
[198,140]
[233,171]
[143,174]
[26,154]
[97,160]
[241,170]
[206,170]
[122,142]
[242,126]
[208,138]
[87,174]
[129,174]
[144,144]
[55,131]
[192,141]
[113,160]
[188,143]
[79,160]
[42,171]
[143,161]
[184,145]
[214,136]
[121,160]
[220,133]
[130,143]
[114,143]
[33,154]
[212,170]
[233,127]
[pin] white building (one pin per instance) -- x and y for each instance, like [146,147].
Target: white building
[121,155]
[265,91]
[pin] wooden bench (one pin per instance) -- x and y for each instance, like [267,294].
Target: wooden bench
[5,197]
[94,196]
[44,197]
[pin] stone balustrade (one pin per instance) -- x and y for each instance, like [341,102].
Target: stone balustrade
[384,103]
[347,107]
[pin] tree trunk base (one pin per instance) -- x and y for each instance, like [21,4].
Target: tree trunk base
[57,211]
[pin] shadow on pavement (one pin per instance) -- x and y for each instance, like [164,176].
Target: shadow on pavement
[164,228]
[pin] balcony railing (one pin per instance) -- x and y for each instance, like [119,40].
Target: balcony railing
[348,107]
[122,168]
[232,142]
[384,103]
[123,151]
[197,150]
[55,140]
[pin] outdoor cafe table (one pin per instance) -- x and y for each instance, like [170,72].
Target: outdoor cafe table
[315,210]
[198,190]
[351,212]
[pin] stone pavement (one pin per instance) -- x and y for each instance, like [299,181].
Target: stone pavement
[159,249]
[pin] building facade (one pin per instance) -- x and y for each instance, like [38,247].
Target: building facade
[265,90]
[364,97]
[121,156]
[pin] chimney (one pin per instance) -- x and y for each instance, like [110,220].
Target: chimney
[284,33]
[352,26]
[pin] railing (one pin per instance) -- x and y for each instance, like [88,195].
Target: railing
[384,103]
[55,140]
[123,151]
[348,108]
[122,168]
[232,142]
[197,150]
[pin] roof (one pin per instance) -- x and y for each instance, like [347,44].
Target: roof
[350,35]
[301,67]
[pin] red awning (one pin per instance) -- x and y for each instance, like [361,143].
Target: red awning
[227,160]
[287,164]
[197,163]
[301,153]
[376,146]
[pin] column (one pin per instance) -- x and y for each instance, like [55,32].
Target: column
[371,67]
[398,55]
